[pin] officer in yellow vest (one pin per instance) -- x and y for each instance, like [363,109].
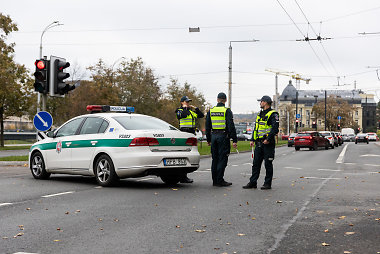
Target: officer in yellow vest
[220,128]
[263,137]
[187,115]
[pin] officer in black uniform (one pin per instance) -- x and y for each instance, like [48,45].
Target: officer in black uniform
[263,137]
[187,115]
[220,128]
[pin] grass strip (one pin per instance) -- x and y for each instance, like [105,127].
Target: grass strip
[15,158]
[14,147]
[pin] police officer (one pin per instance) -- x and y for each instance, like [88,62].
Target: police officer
[187,114]
[220,128]
[266,128]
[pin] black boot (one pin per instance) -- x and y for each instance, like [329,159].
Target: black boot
[266,187]
[250,186]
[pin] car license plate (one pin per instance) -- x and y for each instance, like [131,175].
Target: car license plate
[301,139]
[175,162]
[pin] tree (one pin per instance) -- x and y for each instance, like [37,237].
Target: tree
[173,93]
[15,83]
[335,107]
[284,120]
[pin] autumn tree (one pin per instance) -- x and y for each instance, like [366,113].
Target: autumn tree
[15,83]
[335,107]
[171,100]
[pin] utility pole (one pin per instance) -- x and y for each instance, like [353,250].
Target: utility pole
[288,125]
[230,70]
[296,112]
[325,110]
[276,105]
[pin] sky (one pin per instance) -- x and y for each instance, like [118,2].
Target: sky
[158,32]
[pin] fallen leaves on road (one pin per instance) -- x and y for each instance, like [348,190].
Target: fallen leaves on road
[278,201]
[342,217]
[177,226]
[4,237]
[227,243]
[116,220]
[67,212]
[59,229]
[100,219]
[302,177]
[320,211]
[77,211]
[325,244]
[347,252]
[253,218]
[19,234]
[200,230]
[326,230]
[351,224]
[241,234]
[378,219]
[28,208]
[174,189]
[155,193]
[56,240]
[349,233]
[247,203]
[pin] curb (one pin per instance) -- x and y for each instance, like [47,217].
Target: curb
[13,163]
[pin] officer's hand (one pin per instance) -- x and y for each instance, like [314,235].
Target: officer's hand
[208,143]
[192,106]
[266,142]
[234,145]
[252,143]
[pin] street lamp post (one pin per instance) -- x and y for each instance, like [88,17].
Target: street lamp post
[230,69]
[316,117]
[44,97]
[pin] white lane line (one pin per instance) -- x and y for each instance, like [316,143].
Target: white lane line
[202,171]
[322,178]
[248,164]
[370,155]
[292,168]
[145,179]
[284,154]
[326,169]
[4,204]
[57,194]
[208,169]
[374,172]
[25,253]
[285,227]
[341,155]
[372,165]
[350,163]
[235,165]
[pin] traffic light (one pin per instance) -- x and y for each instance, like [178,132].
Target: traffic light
[41,83]
[297,123]
[58,86]
[314,125]
[338,127]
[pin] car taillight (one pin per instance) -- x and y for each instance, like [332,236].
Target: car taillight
[191,142]
[330,138]
[143,141]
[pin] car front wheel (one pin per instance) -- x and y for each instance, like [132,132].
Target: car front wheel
[105,171]
[37,166]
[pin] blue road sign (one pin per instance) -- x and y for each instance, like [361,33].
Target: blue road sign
[43,121]
[298,116]
[339,117]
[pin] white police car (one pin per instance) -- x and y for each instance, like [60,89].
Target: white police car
[113,145]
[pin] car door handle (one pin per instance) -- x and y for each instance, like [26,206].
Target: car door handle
[68,144]
[94,142]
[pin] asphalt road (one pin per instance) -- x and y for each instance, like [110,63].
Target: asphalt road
[319,198]
[6,153]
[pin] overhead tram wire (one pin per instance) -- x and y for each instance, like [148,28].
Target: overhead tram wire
[315,53]
[318,36]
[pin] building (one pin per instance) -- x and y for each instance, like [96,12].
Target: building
[359,101]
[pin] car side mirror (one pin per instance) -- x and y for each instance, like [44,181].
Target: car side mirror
[50,134]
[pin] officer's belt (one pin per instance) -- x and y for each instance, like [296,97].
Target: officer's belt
[218,131]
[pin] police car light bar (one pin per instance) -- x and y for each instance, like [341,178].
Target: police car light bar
[106,108]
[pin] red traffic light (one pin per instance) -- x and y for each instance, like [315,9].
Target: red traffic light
[40,65]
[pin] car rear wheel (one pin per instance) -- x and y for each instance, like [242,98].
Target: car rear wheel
[105,171]
[297,148]
[37,166]
[327,146]
[315,146]
[170,179]
[332,146]
[356,142]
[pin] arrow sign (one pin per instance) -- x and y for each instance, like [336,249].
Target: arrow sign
[43,121]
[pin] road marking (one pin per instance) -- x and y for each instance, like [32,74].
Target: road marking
[322,178]
[208,169]
[284,228]
[235,165]
[370,155]
[4,204]
[248,164]
[201,171]
[57,194]
[292,168]
[25,253]
[326,169]
[350,163]
[372,165]
[374,172]
[341,155]
[145,179]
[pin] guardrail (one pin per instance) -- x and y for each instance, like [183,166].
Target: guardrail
[20,135]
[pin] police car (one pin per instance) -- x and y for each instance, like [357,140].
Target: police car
[111,145]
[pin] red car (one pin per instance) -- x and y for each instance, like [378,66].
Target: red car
[311,140]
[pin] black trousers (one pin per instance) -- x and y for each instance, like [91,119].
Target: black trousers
[263,152]
[220,149]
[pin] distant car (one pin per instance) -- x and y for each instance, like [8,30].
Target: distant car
[244,137]
[361,137]
[311,140]
[291,139]
[284,137]
[348,137]
[330,137]
[372,136]
[340,138]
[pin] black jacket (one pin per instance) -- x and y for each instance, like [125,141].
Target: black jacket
[272,121]
[230,126]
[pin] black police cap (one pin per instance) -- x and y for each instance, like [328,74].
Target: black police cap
[185,98]
[266,98]
[222,96]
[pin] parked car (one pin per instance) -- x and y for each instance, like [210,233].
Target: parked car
[330,137]
[348,137]
[340,138]
[361,137]
[291,139]
[284,137]
[311,140]
[244,137]
[372,136]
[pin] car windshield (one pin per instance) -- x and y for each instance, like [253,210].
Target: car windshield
[303,134]
[293,135]
[325,134]
[352,135]
[143,123]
